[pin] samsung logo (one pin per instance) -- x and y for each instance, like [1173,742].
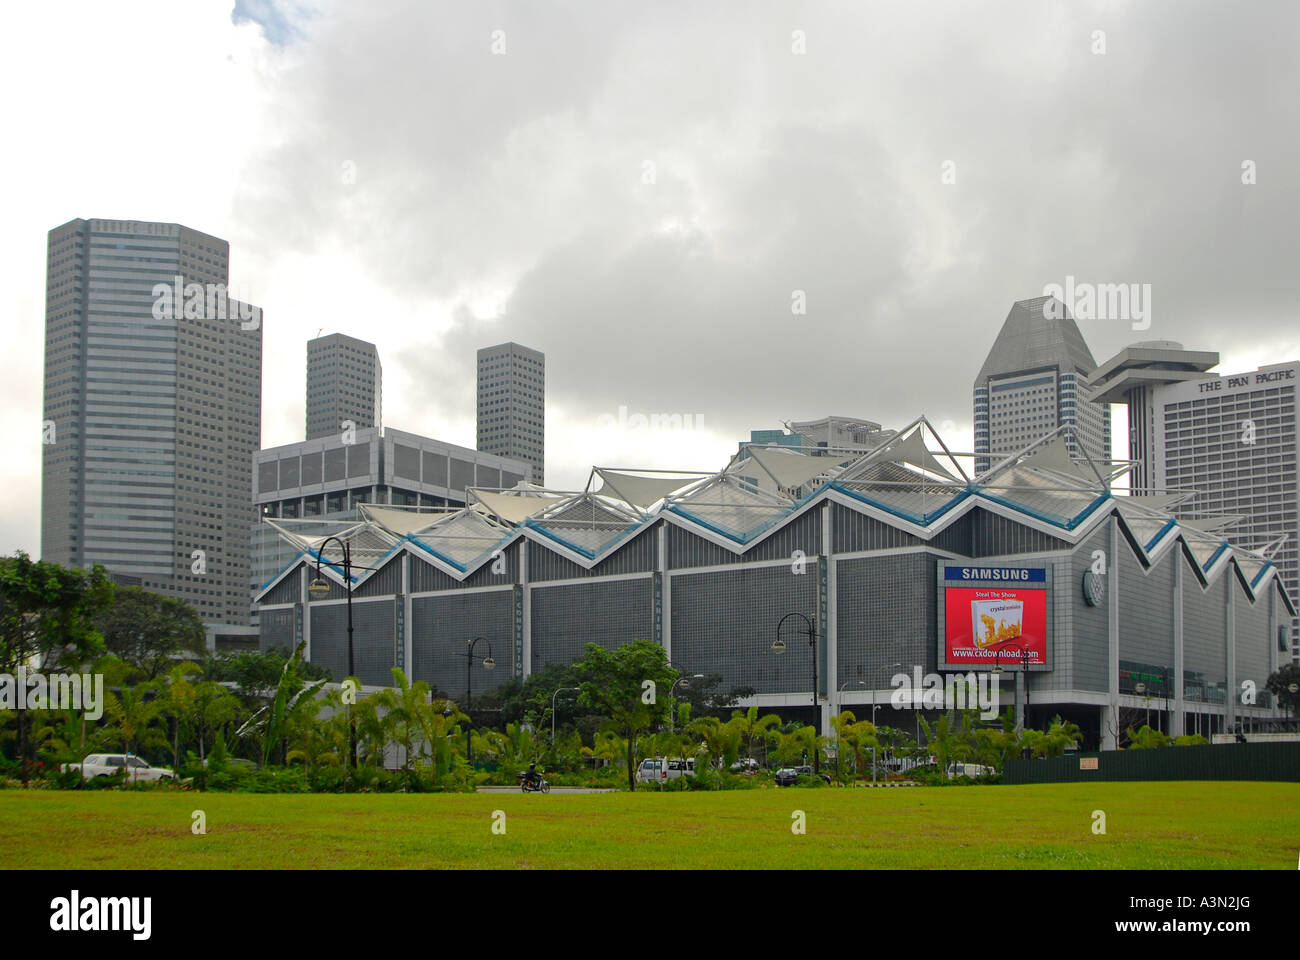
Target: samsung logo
[1018,574]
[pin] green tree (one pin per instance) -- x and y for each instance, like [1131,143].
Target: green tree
[406,708]
[133,718]
[177,704]
[941,740]
[47,621]
[1279,684]
[442,735]
[721,741]
[629,685]
[148,629]
[1147,739]
[754,728]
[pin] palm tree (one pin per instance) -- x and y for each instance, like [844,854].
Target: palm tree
[753,727]
[133,718]
[441,735]
[405,706]
[177,703]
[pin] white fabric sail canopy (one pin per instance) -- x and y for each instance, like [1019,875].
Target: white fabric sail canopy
[512,509]
[400,522]
[787,469]
[912,449]
[641,491]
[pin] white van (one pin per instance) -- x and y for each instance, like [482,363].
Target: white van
[659,769]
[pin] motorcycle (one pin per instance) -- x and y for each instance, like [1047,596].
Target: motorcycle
[533,786]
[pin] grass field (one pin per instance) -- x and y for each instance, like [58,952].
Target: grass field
[1148,826]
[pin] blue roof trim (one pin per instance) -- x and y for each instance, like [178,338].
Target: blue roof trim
[1065,523]
[628,532]
[1215,556]
[429,550]
[920,519]
[1169,525]
[551,535]
[288,566]
[743,538]
[1259,576]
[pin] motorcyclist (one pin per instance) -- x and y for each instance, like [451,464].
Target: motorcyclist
[532,776]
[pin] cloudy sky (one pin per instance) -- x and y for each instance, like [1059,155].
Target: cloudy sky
[639,190]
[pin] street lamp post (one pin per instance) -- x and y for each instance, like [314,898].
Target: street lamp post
[778,646]
[488,664]
[1140,689]
[1024,671]
[683,682]
[320,588]
[860,683]
[876,730]
[553,696]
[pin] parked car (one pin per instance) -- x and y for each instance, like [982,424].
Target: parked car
[971,770]
[236,763]
[109,764]
[789,776]
[745,765]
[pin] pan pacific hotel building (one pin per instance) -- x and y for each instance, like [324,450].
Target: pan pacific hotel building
[898,559]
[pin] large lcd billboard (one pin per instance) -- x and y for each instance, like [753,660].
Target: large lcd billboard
[988,615]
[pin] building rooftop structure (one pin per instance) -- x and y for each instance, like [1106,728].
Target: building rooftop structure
[914,483]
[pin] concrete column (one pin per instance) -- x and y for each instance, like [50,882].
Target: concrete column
[1230,647]
[1176,724]
[666,590]
[408,635]
[1110,715]
[831,628]
[528,606]
[305,599]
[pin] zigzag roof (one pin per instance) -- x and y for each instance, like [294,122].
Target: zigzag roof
[909,483]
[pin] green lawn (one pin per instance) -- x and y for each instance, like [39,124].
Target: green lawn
[1148,825]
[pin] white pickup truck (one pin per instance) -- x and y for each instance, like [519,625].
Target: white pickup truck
[108,764]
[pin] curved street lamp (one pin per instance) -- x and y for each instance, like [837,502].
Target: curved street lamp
[778,647]
[1024,669]
[488,664]
[553,696]
[684,682]
[319,587]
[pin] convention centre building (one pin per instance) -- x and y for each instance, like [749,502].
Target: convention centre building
[878,569]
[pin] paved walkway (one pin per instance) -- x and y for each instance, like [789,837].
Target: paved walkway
[553,790]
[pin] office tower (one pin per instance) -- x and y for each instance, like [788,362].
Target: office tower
[512,405]
[344,382]
[153,398]
[1033,381]
[315,486]
[1230,439]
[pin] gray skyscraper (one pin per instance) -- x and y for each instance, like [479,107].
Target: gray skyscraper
[344,382]
[512,404]
[1034,381]
[1228,442]
[153,411]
